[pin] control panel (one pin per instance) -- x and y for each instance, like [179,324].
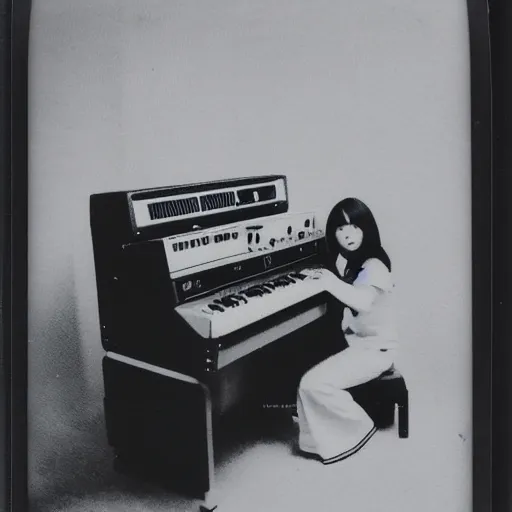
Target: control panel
[240,240]
[161,208]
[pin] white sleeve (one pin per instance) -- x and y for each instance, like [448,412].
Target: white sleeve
[375,273]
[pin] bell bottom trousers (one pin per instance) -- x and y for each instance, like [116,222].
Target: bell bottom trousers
[332,425]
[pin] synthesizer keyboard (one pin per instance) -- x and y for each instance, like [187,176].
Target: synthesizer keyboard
[237,307]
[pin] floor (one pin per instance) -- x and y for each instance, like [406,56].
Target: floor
[259,470]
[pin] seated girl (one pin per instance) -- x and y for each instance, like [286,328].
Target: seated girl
[332,425]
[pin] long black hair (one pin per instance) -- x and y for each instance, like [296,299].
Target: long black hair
[358,215]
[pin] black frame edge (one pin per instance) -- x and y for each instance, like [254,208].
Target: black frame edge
[501,57]
[481,223]
[15,291]
[5,156]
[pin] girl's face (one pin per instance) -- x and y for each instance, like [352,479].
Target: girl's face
[349,236]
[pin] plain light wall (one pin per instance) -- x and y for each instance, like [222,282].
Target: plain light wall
[367,99]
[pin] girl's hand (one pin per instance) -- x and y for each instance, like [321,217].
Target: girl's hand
[316,273]
[325,278]
[329,280]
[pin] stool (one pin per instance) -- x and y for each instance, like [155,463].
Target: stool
[379,397]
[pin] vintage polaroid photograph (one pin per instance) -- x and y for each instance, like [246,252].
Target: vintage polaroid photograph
[249,256]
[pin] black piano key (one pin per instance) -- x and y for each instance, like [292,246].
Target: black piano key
[251,292]
[260,291]
[216,307]
[228,302]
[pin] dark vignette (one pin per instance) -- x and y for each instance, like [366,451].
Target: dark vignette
[15,282]
[481,156]
[5,158]
[14,236]
[501,57]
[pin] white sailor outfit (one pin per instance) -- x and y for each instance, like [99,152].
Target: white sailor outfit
[332,425]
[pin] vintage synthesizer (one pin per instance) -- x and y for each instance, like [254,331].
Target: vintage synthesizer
[204,292]
[193,278]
